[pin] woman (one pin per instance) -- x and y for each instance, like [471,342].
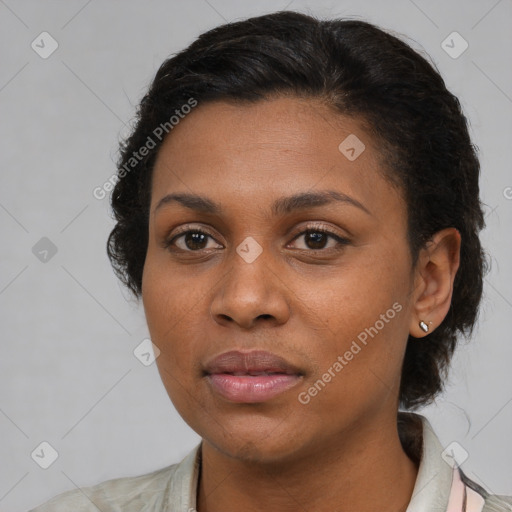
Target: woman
[298,208]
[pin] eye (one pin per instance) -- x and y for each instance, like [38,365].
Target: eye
[192,240]
[316,239]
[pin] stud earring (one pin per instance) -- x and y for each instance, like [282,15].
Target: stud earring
[423,326]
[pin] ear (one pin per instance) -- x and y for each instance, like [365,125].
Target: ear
[435,271]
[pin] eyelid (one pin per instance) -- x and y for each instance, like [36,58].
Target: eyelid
[191,227]
[320,226]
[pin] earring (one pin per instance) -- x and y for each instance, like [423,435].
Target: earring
[423,326]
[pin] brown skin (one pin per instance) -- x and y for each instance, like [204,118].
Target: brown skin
[341,450]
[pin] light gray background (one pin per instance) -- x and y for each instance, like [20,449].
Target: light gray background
[67,369]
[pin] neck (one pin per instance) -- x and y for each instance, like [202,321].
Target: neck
[352,472]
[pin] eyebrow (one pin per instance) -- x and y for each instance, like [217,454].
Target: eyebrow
[281,206]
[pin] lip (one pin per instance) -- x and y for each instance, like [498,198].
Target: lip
[237,361]
[251,377]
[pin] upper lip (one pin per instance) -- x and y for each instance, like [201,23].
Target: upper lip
[256,361]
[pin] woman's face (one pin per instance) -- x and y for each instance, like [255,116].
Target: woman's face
[249,276]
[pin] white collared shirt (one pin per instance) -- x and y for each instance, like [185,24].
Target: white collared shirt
[440,487]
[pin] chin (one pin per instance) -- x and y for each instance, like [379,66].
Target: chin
[257,452]
[256,440]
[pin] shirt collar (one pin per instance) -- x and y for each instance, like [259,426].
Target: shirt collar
[434,480]
[435,486]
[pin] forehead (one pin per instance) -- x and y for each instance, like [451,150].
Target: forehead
[254,152]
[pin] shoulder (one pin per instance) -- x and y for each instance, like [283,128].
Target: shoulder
[495,503]
[441,475]
[491,502]
[139,493]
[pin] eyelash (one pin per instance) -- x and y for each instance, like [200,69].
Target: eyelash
[310,229]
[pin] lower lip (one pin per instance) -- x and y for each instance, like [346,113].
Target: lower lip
[251,389]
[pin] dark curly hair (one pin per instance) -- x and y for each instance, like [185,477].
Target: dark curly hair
[357,70]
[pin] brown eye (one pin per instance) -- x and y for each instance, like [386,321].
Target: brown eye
[194,240]
[317,239]
[191,240]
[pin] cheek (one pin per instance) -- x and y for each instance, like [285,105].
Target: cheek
[359,360]
[357,296]
[171,318]
[172,315]
[168,292]
[363,312]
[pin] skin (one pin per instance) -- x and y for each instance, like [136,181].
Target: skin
[341,450]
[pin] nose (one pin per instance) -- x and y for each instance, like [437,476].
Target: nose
[251,293]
